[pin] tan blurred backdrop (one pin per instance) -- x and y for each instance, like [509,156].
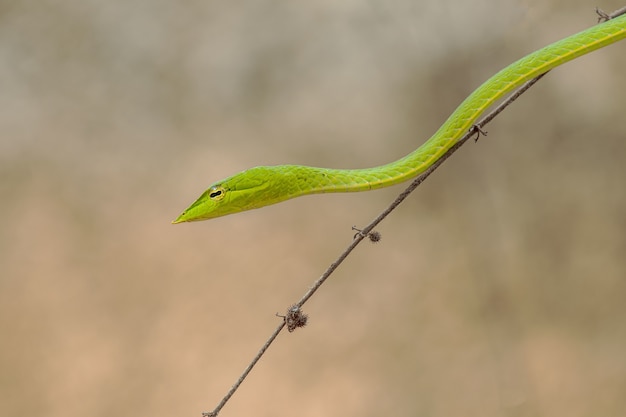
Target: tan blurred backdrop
[498,289]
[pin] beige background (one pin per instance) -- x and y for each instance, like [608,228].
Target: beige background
[498,289]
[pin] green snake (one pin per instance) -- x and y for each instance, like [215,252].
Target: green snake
[264,185]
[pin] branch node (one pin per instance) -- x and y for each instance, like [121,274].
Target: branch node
[374,236]
[602,15]
[295,318]
[476,129]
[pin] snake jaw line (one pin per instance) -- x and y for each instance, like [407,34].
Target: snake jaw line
[243,191]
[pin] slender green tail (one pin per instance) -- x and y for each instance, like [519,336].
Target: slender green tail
[262,186]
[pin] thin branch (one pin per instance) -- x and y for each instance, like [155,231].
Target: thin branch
[245,373]
[362,234]
[294,312]
[604,16]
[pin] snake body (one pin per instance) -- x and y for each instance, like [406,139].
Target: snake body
[264,185]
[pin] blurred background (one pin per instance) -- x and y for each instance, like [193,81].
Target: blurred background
[498,288]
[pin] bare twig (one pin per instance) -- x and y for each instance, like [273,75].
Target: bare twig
[604,16]
[294,317]
[245,373]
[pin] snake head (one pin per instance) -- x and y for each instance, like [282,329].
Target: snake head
[246,190]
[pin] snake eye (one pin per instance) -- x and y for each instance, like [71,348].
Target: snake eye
[216,193]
